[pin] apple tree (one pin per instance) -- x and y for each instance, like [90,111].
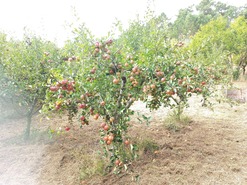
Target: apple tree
[104,84]
[26,68]
[171,77]
[103,78]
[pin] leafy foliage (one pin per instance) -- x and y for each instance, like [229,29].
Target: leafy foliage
[189,20]
[26,70]
[221,45]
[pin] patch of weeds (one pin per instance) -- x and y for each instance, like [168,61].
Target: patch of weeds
[91,165]
[147,146]
[175,123]
[172,126]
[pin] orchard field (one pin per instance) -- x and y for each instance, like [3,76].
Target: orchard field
[210,148]
[158,103]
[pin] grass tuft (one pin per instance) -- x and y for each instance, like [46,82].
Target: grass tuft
[147,146]
[91,165]
[175,123]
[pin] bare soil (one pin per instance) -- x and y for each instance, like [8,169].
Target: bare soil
[20,162]
[210,149]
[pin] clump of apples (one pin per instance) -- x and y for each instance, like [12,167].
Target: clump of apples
[64,84]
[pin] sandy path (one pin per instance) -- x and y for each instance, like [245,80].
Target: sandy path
[20,162]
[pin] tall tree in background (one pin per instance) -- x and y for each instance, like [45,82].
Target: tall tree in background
[239,30]
[185,24]
[190,19]
[220,43]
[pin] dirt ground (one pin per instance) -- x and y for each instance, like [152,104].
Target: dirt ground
[19,161]
[210,149]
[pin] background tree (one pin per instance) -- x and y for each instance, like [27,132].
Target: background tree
[190,19]
[238,28]
[221,44]
[26,69]
[186,24]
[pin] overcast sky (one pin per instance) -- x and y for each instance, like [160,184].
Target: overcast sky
[49,17]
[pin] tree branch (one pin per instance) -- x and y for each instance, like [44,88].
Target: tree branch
[120,97]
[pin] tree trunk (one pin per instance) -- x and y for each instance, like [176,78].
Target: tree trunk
[179,112]
[244,66]
[27,131]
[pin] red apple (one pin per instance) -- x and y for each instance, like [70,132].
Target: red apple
[111,71]
[126,142]
[115,81]
[82,105]
[57,107]
[172,77]
[105,138]
[102,125]
[96,116]
[180,81]
[97,44]
[132,78]
[54,88]
[64,82]
[108,142]
[134,69]
[196,70]
[93,71]
[117,162]
[102,103]
[106,127]
[70,88]
[110,138]
[82,118]
[109,42]
[153,86]
[163,79]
